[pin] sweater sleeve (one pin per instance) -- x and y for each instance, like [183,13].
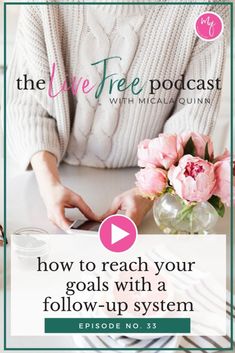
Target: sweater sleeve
[31,126]
[207,62]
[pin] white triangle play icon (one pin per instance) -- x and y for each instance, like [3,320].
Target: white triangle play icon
[117,234]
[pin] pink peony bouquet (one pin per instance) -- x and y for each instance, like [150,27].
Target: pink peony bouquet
[185,165]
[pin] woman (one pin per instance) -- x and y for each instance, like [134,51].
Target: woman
[101,123]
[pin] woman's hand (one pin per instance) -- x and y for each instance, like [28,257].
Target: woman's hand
[132,203]
[55,196]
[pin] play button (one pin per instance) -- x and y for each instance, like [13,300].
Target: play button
[117,233]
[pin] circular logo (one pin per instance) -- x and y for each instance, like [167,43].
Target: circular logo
[209,26]
[117,233]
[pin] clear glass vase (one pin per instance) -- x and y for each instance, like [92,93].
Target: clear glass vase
[173,216]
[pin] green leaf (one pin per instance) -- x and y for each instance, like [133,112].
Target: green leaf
[207,156]
[217,204]
[169,189]
[189,147]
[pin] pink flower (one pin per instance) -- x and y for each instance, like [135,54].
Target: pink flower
[151,181]
[199,142]
[193,179]
[162,151]
[144,155]
[223,180]
[223,156]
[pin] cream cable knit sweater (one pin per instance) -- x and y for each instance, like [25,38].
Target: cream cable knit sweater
[154,42]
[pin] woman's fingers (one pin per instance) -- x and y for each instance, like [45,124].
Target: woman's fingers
[84,208]
[57,216]
[57,198]
[116,204]
[133,204]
